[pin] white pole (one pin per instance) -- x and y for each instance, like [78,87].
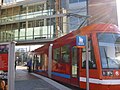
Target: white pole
[87,65]
[50,60]
[11,68]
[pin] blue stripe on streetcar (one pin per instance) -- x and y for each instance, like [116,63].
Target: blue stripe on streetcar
[39,70]
[61,75]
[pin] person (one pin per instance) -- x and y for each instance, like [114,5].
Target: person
[2,85]
[37,63]
[29,65]
[90,64]
[15,64]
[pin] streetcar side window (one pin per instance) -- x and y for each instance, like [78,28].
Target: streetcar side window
[91,57]
[74,62]
[65,53]
[56,54]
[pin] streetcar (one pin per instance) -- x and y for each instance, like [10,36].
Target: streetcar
[63,61]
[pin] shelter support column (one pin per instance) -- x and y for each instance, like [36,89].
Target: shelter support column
[50,60]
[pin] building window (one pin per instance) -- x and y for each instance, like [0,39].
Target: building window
[15,31]
[78,7]
[23,10]
[30,9]
[22,31]
[39,7]
[73,1]
[29,31]
[74,23]
[39,29]
[16,34]
[51,21]
[76,1]
[39,23]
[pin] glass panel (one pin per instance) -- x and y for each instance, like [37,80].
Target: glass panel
[29,32]
[7,1]
[16,10]
[22,34]
[22,30]
[16,34]
[0,36]
[15,30]
[43,32]
[37,31]
[76,1]
[81,0]
[30,8]
[8,36]
[109,50]
[39,7]
[9,12]
[19,0]
[4,35]
[74,62]
[23,9]
[56,54]
[8,27]
[50,32]
[74,21]
[65,53]
[73,1]
[3,12]
[81,9]
[91,57]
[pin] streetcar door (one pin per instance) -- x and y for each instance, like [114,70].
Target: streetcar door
[74,67]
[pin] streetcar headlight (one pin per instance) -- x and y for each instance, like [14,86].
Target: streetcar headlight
[107,73]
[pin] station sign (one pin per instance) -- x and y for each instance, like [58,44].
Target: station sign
[81,41]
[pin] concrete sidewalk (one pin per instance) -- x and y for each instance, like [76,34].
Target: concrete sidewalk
[32,81]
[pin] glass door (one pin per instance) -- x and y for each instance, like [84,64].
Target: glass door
[74,67]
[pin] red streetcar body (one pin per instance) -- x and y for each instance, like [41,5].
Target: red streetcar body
[68,61]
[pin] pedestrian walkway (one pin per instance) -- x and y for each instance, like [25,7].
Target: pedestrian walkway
[32,81]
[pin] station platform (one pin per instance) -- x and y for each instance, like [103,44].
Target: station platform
[32,81]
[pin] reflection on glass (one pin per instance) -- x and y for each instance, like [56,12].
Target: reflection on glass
[109,50]
[74,62]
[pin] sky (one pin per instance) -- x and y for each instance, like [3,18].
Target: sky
[118,10]
[28,48]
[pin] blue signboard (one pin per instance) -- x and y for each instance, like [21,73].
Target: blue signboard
[80,40]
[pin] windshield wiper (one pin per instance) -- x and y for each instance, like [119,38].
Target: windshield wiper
[106,57]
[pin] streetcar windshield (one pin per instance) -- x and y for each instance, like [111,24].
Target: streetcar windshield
[109,46]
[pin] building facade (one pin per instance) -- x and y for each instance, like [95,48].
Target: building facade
[103,11]
[28,21]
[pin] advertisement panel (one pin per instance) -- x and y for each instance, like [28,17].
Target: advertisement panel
[7,69]
[4,66]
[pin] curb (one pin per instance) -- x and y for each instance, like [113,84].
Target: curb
[55,84]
